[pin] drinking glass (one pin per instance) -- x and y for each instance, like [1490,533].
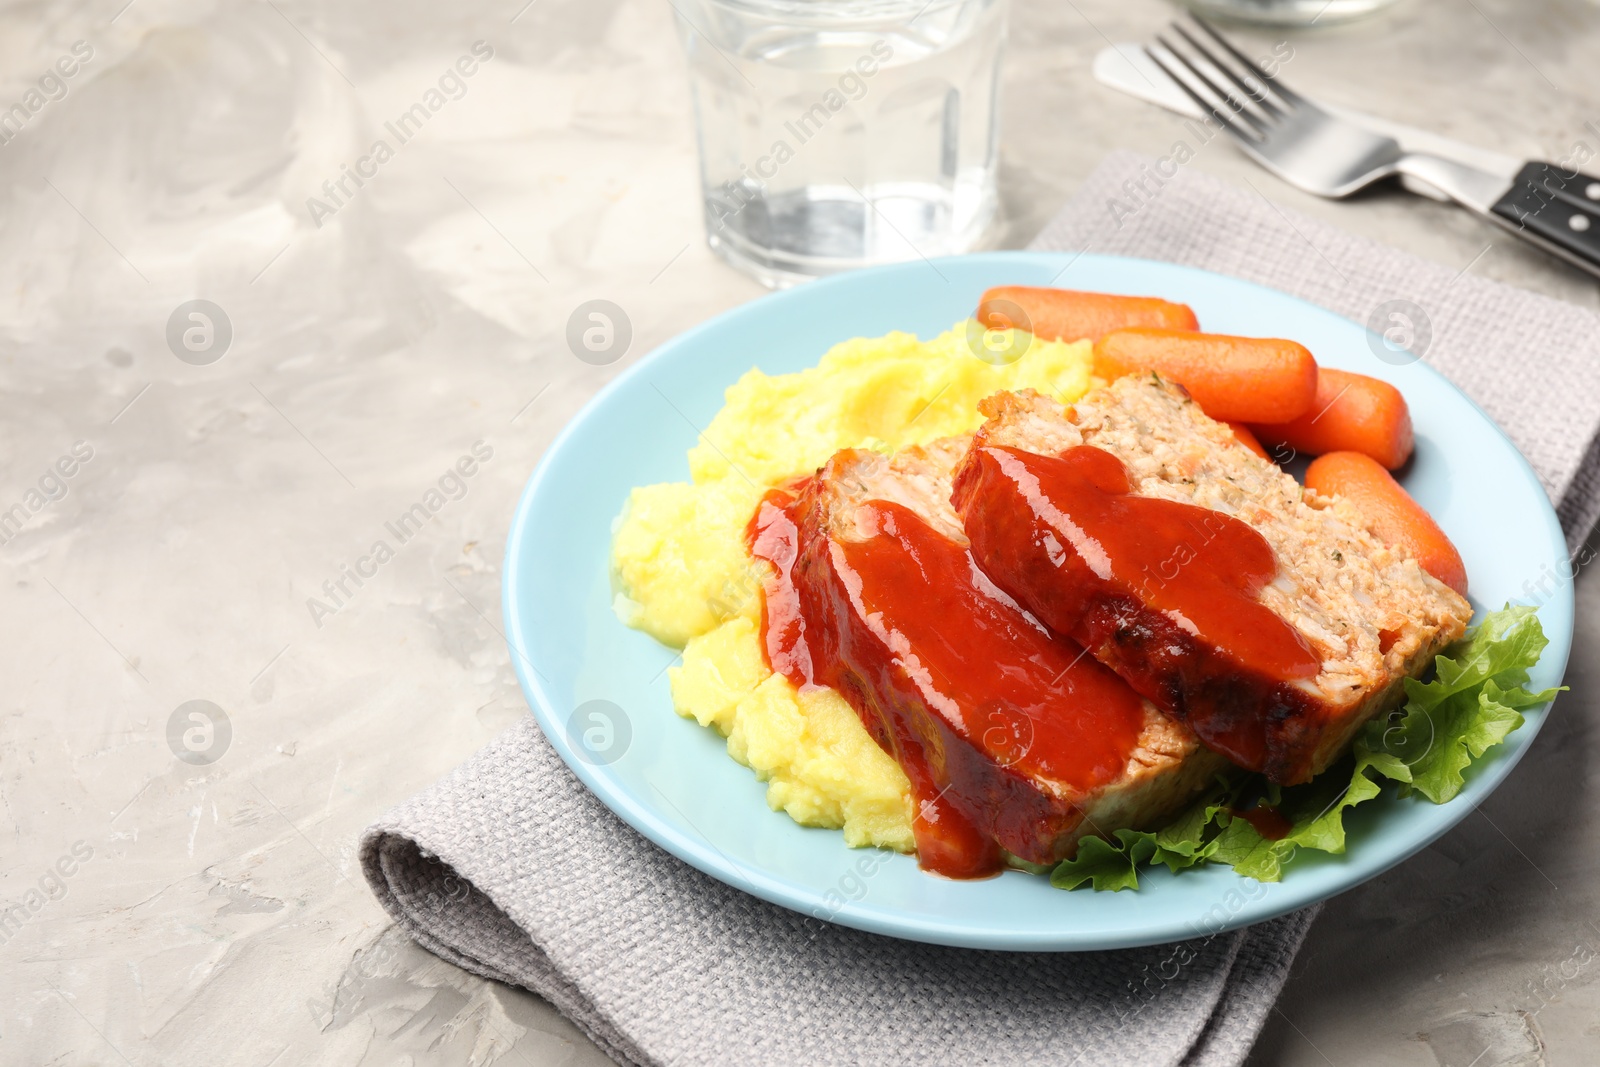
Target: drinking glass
[841,133]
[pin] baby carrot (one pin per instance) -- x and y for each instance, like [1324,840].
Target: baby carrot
[1235,379]
[1390,512]
[1070,315]
[1242,433]
[1352,413]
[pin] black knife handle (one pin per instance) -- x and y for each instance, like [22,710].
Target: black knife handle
[1557,209]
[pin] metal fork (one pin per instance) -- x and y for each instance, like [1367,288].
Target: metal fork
[1297,140]
[1334,157]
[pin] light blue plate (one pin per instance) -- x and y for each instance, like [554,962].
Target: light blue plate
[672,780]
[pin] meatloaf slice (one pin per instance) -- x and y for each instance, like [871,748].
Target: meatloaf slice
[1267,618]
[1012,738]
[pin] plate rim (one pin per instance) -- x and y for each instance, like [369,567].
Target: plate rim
[682,842]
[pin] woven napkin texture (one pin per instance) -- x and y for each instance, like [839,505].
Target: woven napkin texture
[511,869]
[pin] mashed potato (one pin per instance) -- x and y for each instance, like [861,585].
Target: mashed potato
[684,576]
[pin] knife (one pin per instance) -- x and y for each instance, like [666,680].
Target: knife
[1545,203]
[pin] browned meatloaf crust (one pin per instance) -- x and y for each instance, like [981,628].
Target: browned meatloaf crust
[915,680]
[1367,610]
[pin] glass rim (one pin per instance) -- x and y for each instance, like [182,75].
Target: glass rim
[835,10]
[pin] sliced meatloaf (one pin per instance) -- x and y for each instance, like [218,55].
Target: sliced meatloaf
[1012,738]
[1267,618]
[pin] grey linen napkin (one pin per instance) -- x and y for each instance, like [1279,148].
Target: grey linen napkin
[511,869]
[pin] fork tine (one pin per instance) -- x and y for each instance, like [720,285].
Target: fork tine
[1262,100]
[1289,96]
[1228,98]
[1240,112]
[1223,115]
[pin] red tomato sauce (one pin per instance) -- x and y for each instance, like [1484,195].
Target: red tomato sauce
[969,693]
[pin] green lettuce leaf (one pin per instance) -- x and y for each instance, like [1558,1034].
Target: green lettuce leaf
[1186,840]
[1106,865]
[1472,704]
[1315,812]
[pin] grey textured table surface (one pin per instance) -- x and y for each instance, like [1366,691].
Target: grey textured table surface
[213,913]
